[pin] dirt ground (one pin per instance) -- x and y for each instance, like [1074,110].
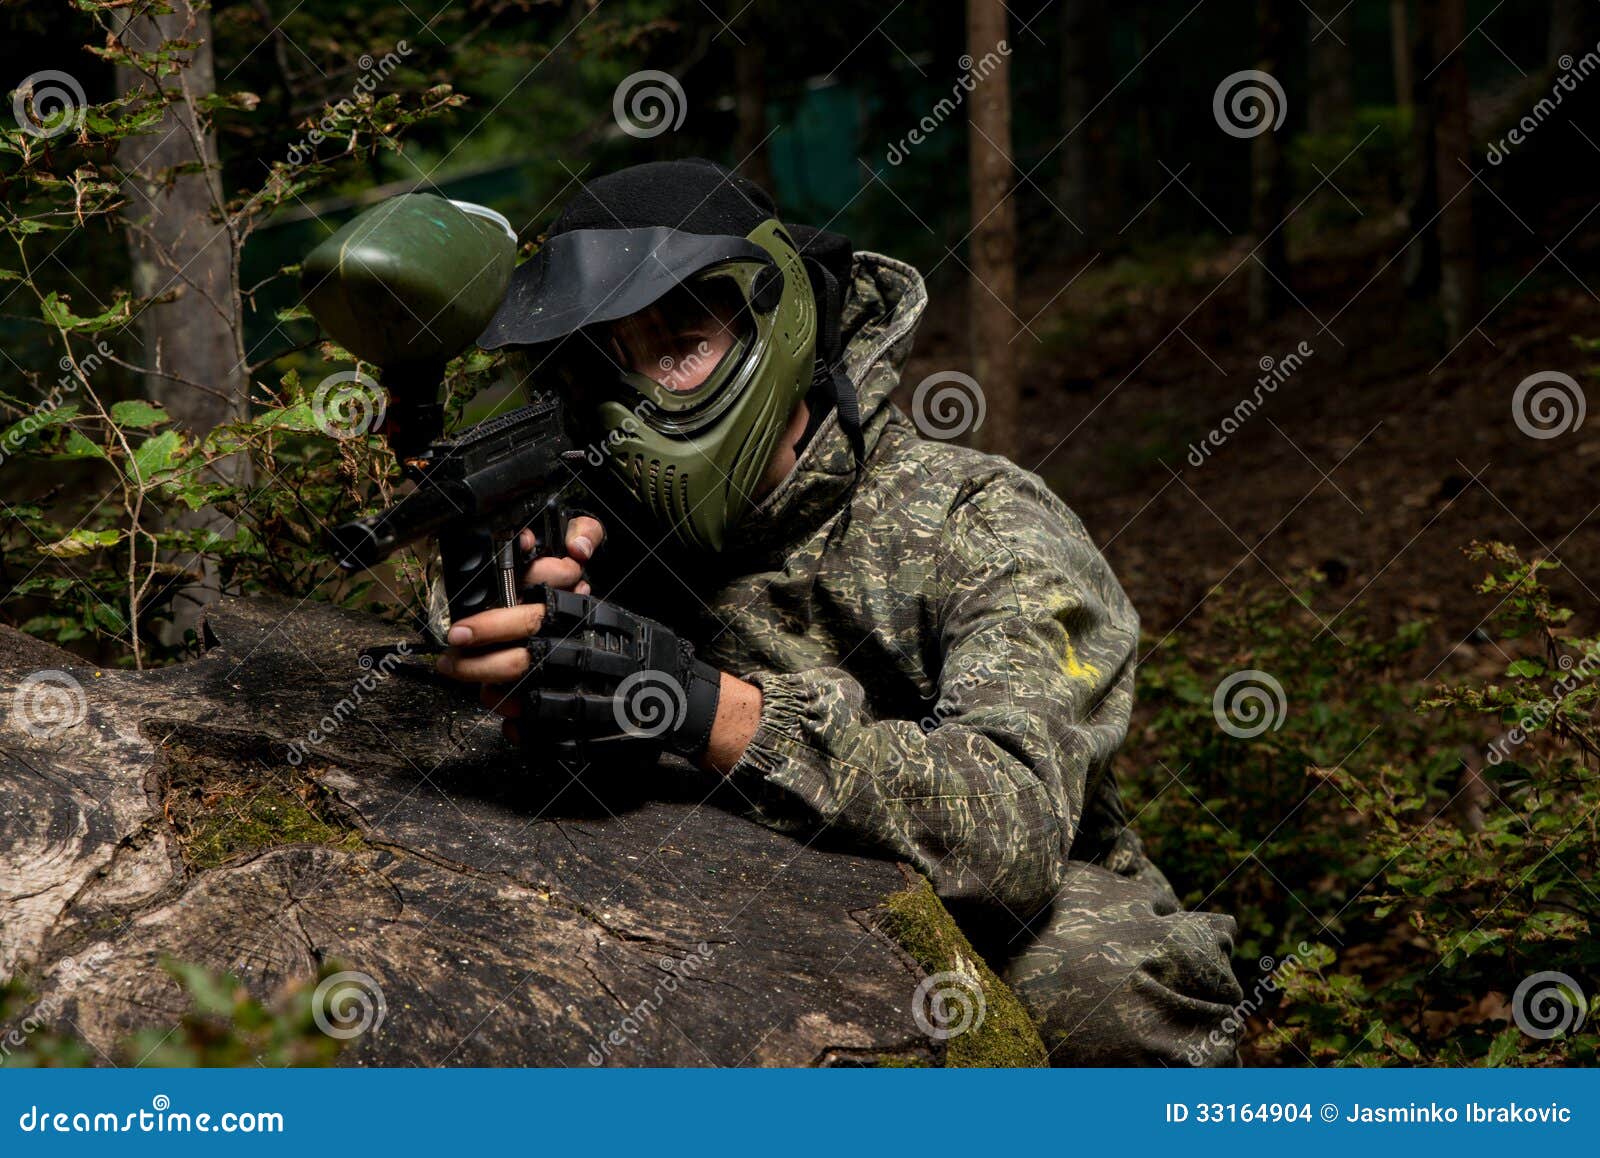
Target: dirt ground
[1376,460]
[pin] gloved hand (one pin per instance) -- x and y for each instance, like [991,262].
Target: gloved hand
[601,679]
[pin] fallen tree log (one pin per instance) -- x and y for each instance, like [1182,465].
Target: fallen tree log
[307,795]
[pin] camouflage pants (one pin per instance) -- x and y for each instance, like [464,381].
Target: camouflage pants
[1119,974]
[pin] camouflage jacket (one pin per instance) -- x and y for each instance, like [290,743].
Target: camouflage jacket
[946,660]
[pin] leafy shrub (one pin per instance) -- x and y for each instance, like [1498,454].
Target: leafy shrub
[1431,887]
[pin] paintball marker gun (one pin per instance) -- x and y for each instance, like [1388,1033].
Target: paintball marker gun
[407,285]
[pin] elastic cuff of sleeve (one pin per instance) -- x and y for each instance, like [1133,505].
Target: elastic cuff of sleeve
[781,728]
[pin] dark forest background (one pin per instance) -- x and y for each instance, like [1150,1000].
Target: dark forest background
[1393,542]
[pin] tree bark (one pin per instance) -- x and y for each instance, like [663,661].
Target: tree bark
[1400,48]
[1269,189]
[1088,160]
[993,288]
[507,914]
[1453,149]
[1573,27]
[1421,265]
[1332,104]
[182,254]
[750,98]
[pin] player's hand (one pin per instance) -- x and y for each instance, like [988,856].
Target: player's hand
[584,536]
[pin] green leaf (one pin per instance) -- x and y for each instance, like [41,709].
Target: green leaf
[58,313]
[1525,667]
[154,455]
[81,542]
[138,414]
[77,446]
[1505,1046]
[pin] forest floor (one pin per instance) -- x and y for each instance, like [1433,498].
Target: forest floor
[1376,461]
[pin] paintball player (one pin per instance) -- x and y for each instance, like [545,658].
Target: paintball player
[909,643]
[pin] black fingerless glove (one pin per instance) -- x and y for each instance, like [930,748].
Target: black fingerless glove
[603,680]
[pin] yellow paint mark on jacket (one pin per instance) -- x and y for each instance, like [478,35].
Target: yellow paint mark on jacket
[1075,669]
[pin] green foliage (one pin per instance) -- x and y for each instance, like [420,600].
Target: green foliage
[1431,886]
[224,1026]
[1261,820]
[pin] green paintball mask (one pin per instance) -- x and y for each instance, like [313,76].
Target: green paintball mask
[684,356]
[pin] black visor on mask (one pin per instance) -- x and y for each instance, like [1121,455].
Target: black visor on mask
[588,276]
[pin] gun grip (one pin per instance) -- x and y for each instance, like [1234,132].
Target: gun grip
[480,573]
[550,529]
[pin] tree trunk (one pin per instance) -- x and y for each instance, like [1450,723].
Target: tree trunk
[253,813]
[1332,104]
[993,288]
[1269,181]
[1453,147]
[1088,182]
[750,99]
[1400,48]
[182,253]
[1573,26]
[1422,254]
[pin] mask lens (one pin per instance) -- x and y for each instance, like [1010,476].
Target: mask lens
[680,340]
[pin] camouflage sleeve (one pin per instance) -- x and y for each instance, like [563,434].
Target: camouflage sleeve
[984,797]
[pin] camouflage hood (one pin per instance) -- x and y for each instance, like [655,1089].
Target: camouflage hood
[881,313]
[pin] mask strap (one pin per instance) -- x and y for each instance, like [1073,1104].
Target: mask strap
[829,382]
